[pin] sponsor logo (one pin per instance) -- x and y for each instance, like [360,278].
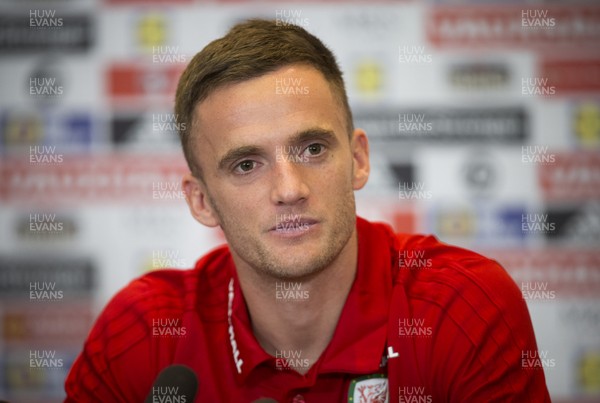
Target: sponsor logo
[573,176]
[490,224]
[65,324]
[575,224]
[586,124]
[150,31]
[94,180]
[46,277]
[369,77]
[479,76]
[507,224]
[478,125]
[52,133]
[456,223]
[572,75]
[145,131]
[569,272]
[502,26]
[17,36]
[22,129]
[479,172]
[369,389]
[588,368]
[132,82]
[368,23]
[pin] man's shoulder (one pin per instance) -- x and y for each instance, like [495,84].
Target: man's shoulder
[164,293]
[432,270]
[442,254]
[179,288]
[414,254]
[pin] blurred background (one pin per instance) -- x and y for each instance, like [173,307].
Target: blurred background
[484,123]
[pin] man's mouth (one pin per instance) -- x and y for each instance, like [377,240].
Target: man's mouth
[293,225]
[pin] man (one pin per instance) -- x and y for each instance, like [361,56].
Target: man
[307,302]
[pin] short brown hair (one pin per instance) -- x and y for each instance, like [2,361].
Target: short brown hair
[250,49]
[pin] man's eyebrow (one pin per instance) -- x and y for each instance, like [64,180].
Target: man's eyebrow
[237,153]
[312,134]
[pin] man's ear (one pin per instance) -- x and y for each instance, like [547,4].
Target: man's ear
[360,154]
[198,200]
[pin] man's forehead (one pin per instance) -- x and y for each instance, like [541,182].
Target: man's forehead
[303,83]
[254,108]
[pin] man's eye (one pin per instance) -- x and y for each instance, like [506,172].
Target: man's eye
[315,149]
[245,166]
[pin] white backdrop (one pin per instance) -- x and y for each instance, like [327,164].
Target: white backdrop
[505,159]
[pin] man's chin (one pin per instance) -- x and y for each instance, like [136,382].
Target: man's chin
[292,267]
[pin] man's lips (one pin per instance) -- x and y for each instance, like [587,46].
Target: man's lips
[294,224]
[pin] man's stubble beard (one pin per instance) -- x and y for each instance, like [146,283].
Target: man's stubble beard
[279,267]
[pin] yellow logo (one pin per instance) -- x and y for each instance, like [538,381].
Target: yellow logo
[587,125]
[456,223]
[151,31]
[589,372]
[369,78]
[23,130]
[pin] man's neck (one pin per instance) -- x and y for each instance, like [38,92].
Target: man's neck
[298,319]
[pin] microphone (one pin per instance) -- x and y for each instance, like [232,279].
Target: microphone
[265,400]
[174,383]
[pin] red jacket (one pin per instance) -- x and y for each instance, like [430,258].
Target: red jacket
[424,322]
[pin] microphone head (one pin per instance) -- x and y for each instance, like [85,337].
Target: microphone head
[174,383]
[265,400]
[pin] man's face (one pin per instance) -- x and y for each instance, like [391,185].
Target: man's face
[279,171]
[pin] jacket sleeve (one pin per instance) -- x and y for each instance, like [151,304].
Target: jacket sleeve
[120,357]
[483,339]
[465,332]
